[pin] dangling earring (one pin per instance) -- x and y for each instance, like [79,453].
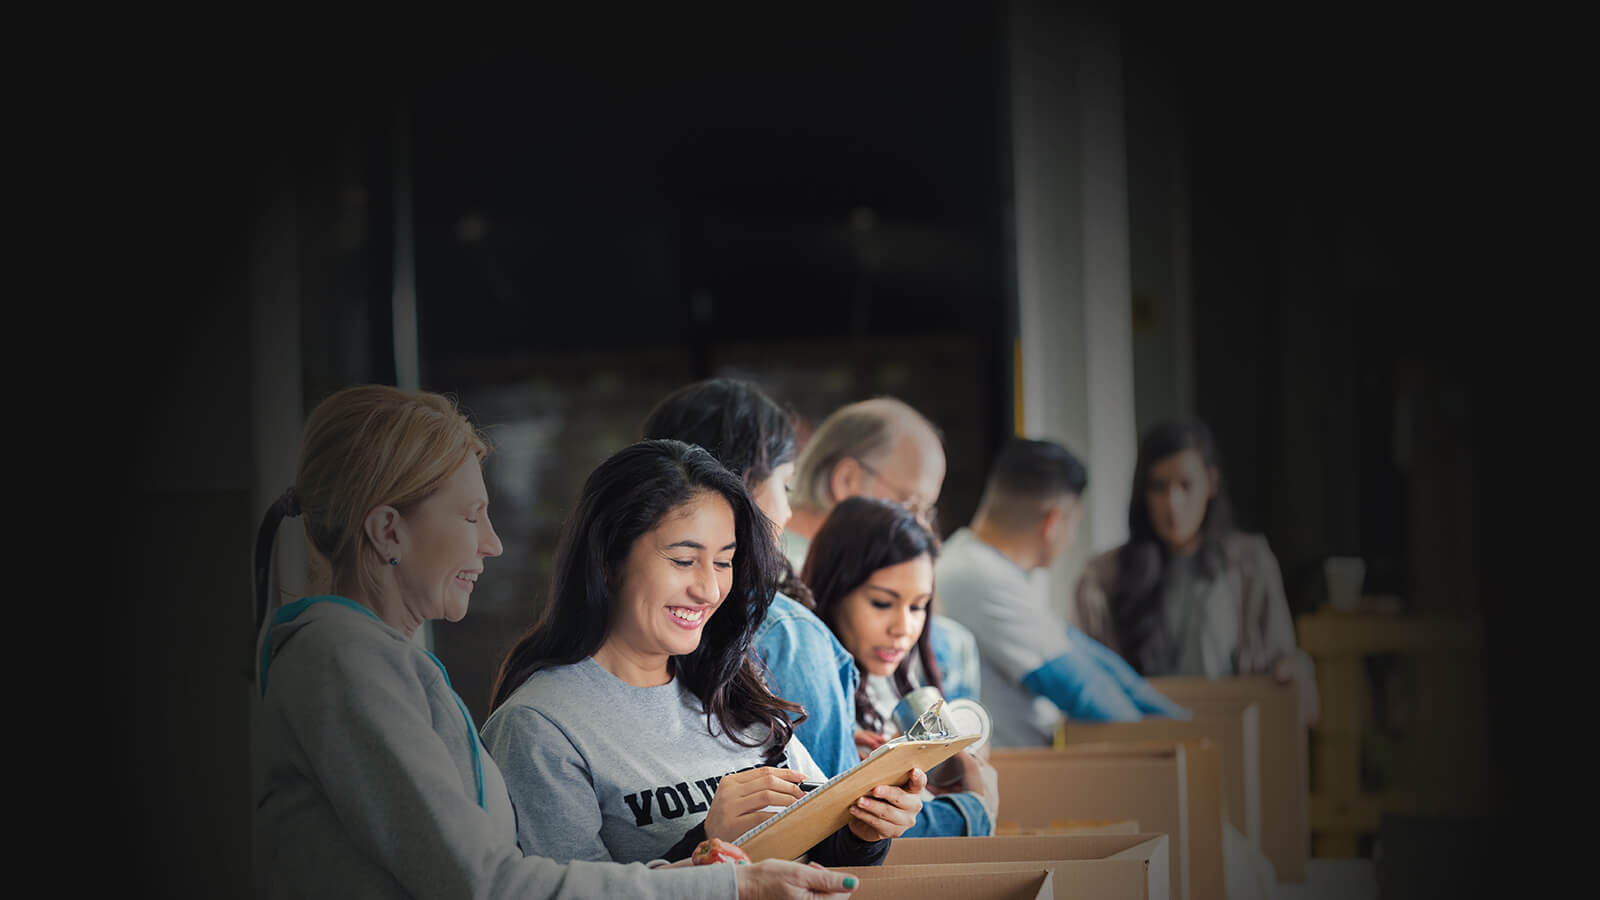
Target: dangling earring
[394,560]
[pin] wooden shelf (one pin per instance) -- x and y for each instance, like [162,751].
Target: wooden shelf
[1329,633]
[1447,727]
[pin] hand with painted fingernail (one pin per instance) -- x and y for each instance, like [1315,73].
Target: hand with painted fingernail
[781,879]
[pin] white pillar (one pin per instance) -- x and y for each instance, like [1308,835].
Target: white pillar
[1070,206]
[1158,227]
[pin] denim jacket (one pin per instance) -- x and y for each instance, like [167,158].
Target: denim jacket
[799,652]
[952,815]
[796,648]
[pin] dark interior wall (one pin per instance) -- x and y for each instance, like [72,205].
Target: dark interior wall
[711,174]
[226,159]
[1363,312]
[1334,241]
[595,229]
[161,727]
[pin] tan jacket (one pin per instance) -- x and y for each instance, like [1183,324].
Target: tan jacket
[1252,587]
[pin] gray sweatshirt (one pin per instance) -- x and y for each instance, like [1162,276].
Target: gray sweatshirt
[601,769]
[369,780]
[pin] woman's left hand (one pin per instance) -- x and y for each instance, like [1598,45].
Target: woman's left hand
[867,741]
[889,811]
[1299,669]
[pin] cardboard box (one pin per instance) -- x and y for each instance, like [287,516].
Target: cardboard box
[1172,788]
[1072,826]
[1103,867]
[986,881]
[1233,728]
[1285,761]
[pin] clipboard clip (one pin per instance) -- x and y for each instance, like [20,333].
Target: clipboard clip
[931,725]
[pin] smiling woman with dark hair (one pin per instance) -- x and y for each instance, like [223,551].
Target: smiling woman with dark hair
[632,722]
[750,434]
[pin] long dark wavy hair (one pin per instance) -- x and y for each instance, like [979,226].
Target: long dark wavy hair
[1142,562]
[625,497]
[860,536]
[746,430]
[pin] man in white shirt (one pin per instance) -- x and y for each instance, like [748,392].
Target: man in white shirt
[1035,666]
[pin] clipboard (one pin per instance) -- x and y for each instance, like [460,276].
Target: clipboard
[792,832]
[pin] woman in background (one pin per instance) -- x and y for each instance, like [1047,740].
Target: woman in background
[1188,594]
[870,568]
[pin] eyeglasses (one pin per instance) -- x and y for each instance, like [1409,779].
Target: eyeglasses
[929,514]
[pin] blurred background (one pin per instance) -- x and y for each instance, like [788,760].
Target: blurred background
[1062,221]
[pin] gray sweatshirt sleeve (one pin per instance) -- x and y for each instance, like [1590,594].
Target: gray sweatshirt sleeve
[558,813]
[362,718]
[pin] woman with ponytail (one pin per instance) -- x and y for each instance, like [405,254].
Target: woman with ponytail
[369,778]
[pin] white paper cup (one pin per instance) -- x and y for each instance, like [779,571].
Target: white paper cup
[1344,575]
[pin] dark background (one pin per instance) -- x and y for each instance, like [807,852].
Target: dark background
[611,203]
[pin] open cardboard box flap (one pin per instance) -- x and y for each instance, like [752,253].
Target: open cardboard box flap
[1099,866]
[1285,757]
[1073,826]
[1235,730]
[1088,749]
[983,881]
[1022,848]
[1171,788]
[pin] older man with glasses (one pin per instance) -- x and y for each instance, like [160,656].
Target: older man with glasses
[880,448]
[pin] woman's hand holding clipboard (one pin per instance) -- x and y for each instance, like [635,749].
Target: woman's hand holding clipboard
[792,832]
